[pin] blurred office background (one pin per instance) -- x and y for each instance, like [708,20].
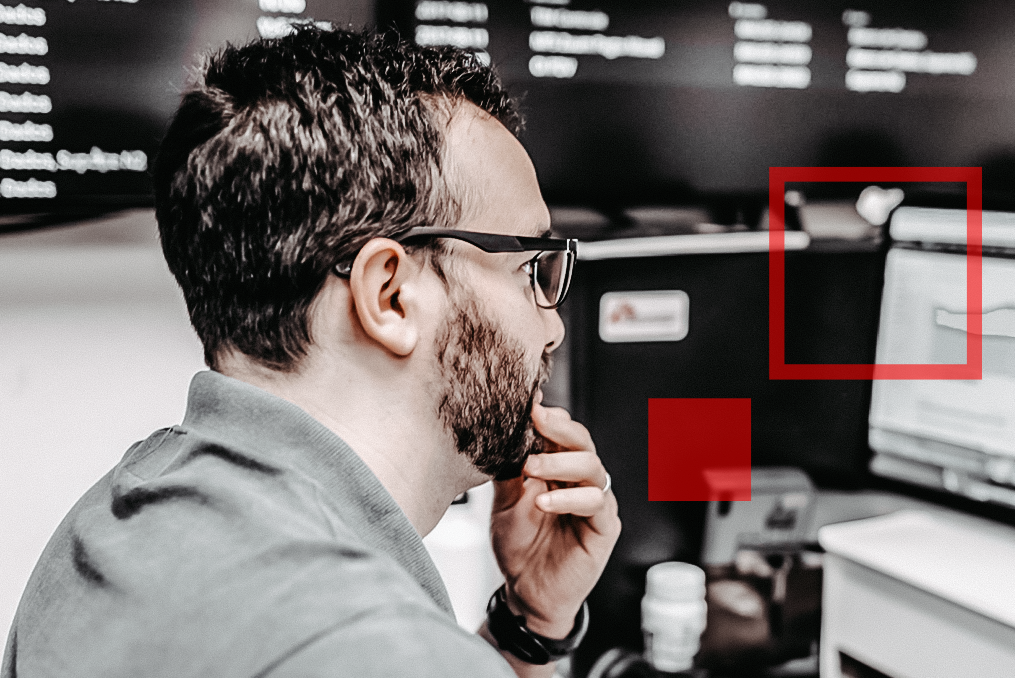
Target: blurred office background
[652,125]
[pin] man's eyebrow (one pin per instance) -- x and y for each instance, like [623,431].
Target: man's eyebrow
[544,234]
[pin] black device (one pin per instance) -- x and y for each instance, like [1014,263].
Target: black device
[832,307]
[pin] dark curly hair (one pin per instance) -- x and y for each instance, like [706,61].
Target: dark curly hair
[287,156]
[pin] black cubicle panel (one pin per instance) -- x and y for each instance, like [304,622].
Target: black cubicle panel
[832,304]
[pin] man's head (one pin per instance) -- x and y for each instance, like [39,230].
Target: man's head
[294,155]
[286,157]
[495,342]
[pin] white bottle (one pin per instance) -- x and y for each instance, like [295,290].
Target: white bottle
[673,615]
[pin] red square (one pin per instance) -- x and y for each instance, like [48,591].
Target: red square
[777,367]
[699,449]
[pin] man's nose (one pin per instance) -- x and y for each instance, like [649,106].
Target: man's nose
[555,328]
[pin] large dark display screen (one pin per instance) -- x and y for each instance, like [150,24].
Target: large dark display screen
[87,88]
[644,101]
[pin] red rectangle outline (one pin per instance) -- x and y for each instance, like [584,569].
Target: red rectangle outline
[777,367]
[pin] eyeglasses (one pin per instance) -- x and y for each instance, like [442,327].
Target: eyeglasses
[550,270]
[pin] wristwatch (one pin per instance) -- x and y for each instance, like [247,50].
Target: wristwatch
[512,635]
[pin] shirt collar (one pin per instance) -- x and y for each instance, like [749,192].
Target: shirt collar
[268,425]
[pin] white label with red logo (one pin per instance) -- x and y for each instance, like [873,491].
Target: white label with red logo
[659,315]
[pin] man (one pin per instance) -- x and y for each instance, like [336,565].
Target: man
[322,200]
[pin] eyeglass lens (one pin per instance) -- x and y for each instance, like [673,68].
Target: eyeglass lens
[551,276]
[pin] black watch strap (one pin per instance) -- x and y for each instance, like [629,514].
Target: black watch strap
[512,635]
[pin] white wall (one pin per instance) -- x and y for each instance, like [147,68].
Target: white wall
[461,549]
[96,351]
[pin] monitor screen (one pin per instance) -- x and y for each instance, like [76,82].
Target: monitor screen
[636,101]
[957,435]
[87,89]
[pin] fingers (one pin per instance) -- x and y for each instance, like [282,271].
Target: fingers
[580,501]
[556,425]
[576,462]
[598,510]
[588,500]
[570,467]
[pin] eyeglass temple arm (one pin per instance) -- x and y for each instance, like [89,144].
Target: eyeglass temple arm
[488,242]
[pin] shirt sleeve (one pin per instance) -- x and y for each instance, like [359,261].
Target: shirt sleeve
[405,641]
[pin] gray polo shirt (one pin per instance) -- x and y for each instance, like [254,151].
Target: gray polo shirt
[249,541]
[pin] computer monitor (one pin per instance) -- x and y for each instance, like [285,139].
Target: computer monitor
[649,101]
[87,90]
[956,435]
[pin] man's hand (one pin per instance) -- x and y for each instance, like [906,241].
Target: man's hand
[554,528]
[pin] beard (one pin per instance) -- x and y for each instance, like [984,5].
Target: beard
[487,395]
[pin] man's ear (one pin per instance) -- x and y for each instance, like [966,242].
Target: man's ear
[382,284]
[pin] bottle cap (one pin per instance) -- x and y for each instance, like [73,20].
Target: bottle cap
[675,582]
